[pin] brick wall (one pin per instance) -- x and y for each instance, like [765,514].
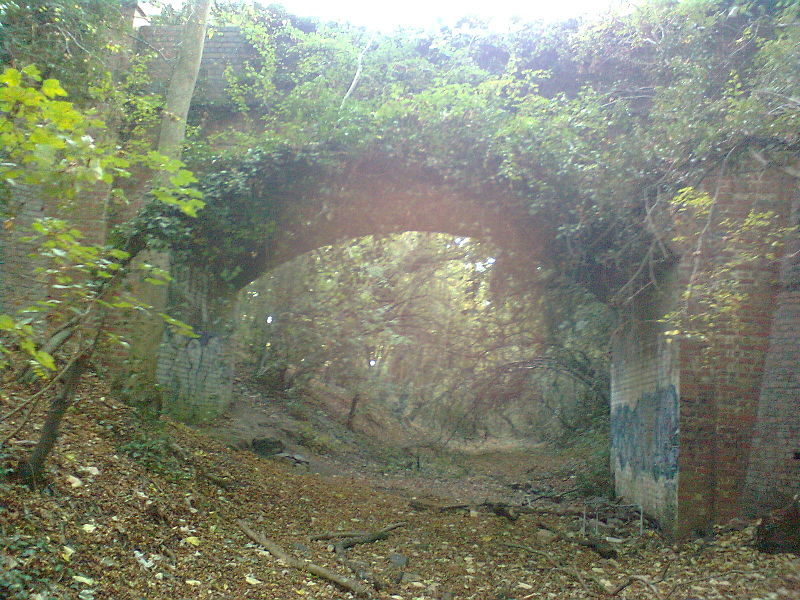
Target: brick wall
[645,410]
[225,47]
[716,380]
[773,476]
[196,374]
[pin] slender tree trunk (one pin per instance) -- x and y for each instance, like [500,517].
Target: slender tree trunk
[184,79]
[352,414]
[146,339]
[31,470]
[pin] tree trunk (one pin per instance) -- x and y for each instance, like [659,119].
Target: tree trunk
[352,414]
[31,470]
[184,78]
[146,339]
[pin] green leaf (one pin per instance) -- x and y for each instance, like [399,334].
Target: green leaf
[11,77]
[44,359]
[33,72]
[52,88]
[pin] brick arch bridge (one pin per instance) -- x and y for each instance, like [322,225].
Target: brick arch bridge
[372,198]
[696,438]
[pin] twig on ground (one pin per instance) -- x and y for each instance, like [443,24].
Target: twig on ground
[381,534]
[334,535]
[322,572]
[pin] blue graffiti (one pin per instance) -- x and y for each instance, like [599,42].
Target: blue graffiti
[645,438]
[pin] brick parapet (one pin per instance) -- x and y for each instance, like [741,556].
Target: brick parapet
[225,47]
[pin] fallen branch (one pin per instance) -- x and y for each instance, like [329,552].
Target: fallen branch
[334,535]
[366,539]
[359,571]
[321,572]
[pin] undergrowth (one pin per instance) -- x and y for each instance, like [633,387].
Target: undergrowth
[151,447]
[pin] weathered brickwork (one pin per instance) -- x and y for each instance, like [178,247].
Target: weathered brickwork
[773,476]
[225,48]
[644,411]
[718,381]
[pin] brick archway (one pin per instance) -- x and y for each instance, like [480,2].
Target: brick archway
[372,198]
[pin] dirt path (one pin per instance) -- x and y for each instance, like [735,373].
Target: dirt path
[462,472]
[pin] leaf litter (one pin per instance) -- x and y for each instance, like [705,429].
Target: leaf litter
[125,530]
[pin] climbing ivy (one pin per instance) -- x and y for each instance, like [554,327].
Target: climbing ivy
[595,125]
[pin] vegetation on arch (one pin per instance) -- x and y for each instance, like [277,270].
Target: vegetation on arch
[594,125]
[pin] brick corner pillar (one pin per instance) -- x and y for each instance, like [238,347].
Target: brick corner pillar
[708,428]
[773,474]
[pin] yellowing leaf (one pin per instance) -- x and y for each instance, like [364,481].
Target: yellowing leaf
[82,579]
[52,88]
[193,582]
[194,541]
[88,527]
[67,553]
[252,580]
[74,481]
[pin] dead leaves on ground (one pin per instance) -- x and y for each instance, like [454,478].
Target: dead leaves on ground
[114,530]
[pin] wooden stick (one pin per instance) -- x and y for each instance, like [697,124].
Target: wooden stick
[333,535]
[358,589]
[367,539]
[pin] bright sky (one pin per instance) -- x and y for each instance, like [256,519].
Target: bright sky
[388,14]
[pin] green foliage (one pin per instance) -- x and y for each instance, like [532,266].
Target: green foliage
[51,145]
[30,567]
[587,122]
[151,447]
[715,290]
[75,41]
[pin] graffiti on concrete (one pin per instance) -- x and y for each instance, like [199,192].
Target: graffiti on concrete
[645,437]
